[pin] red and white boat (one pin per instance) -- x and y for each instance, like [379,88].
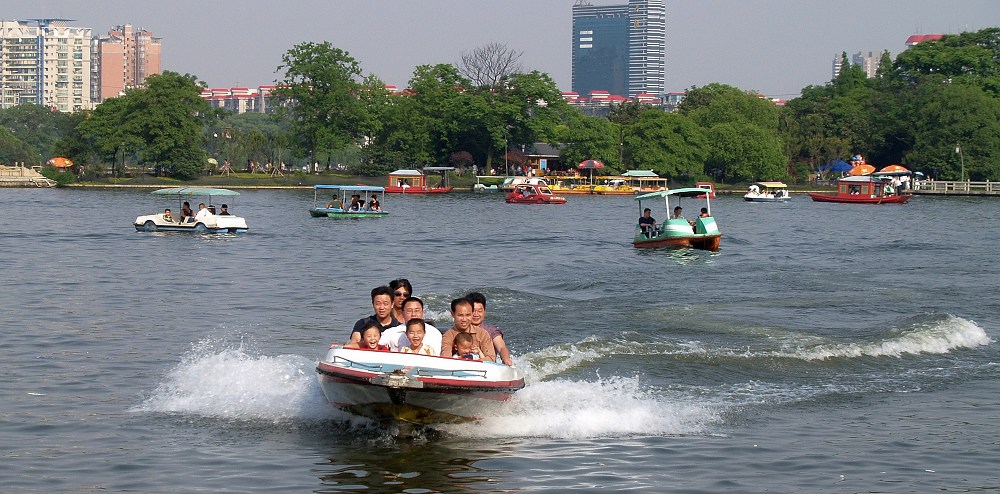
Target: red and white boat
[708,186]
[418,389]
[533,193]
[862,189]
[416,181]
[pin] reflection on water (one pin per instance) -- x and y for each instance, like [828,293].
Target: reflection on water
[412,461]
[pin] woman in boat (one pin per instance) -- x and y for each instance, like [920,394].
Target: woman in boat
[373,204]
[401,290]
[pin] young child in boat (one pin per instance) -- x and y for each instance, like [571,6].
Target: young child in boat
[370,335]
[415,331]
[463,347]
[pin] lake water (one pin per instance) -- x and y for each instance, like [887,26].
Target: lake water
[824,348]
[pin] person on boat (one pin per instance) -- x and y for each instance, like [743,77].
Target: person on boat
[373,204]
[203,212]
[335,203]
[225,211]
[415,331]
[678,215]
[167,216]
[401,289]
[187,215]
[648,223]
[704,213]
[478,319]
[461,311]
[382,304]
[356,203]
[370,335]
[397,338]
[465,347]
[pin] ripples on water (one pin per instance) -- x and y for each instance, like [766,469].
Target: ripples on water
[824,348]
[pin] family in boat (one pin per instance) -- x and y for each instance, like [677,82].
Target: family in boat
[398,325]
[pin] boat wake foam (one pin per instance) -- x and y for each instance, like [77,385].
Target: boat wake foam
[935,337]
[232,384]
[610,407]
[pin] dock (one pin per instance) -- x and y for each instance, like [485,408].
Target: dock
[955,188]
[20,176]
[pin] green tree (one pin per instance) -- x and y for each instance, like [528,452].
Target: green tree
[957,114]
[670,144]
[590,138]
[160,123]
[967,58]
[14,150]
[320,90]
[746,151]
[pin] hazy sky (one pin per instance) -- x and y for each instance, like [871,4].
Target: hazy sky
[774,46]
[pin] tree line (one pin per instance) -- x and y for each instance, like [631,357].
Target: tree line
[932,99]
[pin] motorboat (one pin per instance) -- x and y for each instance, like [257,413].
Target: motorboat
[533,193]
[702,233]
[221,221]
[480,187]
[416,181]
[862,189]
[413,388]
[767,192]
[614,187]
[708,186]
[336,208]
[509,183]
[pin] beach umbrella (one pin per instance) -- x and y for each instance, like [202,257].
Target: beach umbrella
[861,170]
[213,161]
[590,165]
[895,169]
[60,162]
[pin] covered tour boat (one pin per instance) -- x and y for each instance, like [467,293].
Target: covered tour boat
[214,220]
[767,192]
[533,193]
[702,233]
[413,388]
[339,207]
[862,189]
[416,181]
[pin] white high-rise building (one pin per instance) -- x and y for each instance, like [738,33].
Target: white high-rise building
[45,62]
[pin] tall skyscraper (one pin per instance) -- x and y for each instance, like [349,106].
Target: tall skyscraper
[125,58]
[45,62]
[619,48]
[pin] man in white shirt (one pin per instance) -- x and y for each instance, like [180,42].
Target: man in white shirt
[395,337]
[203,213]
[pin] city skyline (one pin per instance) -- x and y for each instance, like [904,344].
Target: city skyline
[775,47]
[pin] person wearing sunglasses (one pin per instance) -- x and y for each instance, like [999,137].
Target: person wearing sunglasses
[401,290]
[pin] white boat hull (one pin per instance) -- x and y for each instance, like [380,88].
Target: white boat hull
[419,389]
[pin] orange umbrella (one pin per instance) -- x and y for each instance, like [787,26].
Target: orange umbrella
[60,162]
[861,170]
[894,169]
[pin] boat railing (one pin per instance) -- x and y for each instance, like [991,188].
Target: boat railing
[418,371]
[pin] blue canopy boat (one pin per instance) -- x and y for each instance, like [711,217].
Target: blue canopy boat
[335,208]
